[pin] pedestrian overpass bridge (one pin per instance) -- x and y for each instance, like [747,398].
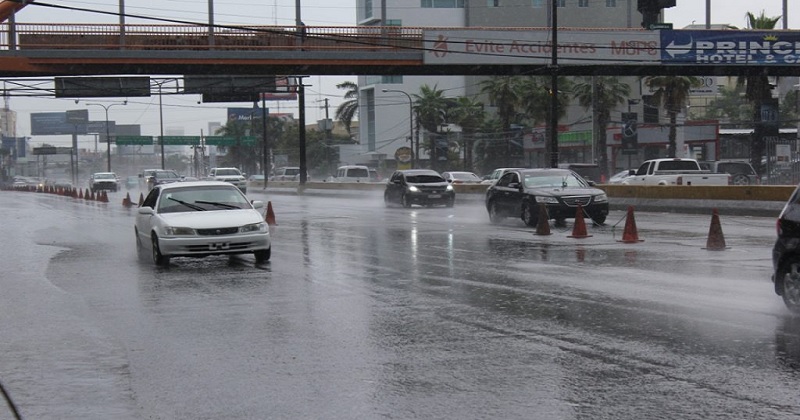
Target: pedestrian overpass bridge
[32,50]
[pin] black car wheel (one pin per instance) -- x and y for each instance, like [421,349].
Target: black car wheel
[529,215]
[599,219]
[406,201]
[158,258]
[790,272]
[494,214]
[740,179]
[386,200]
[263,255]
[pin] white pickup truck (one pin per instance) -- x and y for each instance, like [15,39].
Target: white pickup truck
[674,171]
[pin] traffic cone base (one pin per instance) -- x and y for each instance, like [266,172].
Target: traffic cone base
[716,240]
[630,235]
[579,230]
[543,224]
[270,215]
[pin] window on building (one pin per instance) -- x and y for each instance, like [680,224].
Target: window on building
[394,22]
[537,4]
[367,9]
[493,3]
[443,4]
[611,3]
[561,3]
[583,3]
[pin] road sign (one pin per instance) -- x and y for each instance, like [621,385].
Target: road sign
[231,141]
[181,140]
[630,135]
[101,87]
[52,150]
[657,26]
[134,140]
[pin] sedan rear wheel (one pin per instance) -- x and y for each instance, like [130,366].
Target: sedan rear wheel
[791,284]
[158,258]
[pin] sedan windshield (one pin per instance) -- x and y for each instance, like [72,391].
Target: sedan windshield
[424,179]
[203,198]
[552,180]
[104,176]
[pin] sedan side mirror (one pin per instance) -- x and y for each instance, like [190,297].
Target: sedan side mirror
[145,210]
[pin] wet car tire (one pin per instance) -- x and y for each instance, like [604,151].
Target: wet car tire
[529,215]
[740,179]
[263,255]
[494,216]
[790,272]
[405,200]
[386,200]
[598,220]
[158,258]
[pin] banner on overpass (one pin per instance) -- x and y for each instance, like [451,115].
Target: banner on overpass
[465,46]
[772,48]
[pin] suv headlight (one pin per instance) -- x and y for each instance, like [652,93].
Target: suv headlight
[412,188]
[449,187]
[255,227]
[179,231]
[601,198]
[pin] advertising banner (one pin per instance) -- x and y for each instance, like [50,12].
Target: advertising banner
[772,48]
[53,124]
[470,46]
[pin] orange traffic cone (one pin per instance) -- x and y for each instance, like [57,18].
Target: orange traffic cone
[630,235]
[716,240]
[579,230]
[141,199]
[105,197]
[80,193]
[270,215]
[543,224]
[93,197]
[126,202]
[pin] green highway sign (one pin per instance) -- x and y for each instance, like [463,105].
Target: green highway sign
[231,141]
[134,140]
[181,140]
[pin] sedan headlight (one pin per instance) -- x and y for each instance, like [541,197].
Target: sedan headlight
[255,227]
[449,188]
[412,188]
[179,231]
[546,200]
[601,198]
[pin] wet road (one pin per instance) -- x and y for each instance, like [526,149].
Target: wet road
[368,312]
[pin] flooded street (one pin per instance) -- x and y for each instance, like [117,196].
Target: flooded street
[373,312]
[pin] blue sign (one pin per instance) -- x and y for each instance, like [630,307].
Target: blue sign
[244,114]
[730,47]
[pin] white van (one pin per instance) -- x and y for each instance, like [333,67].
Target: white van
[351,173]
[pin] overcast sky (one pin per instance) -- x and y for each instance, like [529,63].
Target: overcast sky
[183,111]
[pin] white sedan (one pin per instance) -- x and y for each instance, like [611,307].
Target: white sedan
[201,218]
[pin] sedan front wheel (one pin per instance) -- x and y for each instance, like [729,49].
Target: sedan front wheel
[494,214]
[529,215]
[791,284]
[158,258]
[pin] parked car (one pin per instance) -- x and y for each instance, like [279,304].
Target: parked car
[350,173]
[104,181]
[519,192]
[741,172]
[459,177]
[229,175]
[423,187]
[286,173]
[198,219]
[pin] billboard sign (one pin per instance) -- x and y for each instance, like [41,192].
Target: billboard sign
[469,46]
[244,114]
[53,124]
[730,47]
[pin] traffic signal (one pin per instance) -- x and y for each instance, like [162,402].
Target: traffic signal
[650,9]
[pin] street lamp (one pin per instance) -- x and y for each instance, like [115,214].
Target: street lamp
[108,133]
[410,123]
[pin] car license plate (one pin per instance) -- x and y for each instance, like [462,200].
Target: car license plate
[434,196]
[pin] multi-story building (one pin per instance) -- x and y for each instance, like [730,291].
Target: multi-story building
[385,101]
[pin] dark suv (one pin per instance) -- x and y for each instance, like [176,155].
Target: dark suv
[424,187]
[786,254]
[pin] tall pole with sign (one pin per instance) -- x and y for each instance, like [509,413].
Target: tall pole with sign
[554,89]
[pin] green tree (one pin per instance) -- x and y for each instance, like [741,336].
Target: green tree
[430,107]
[673,93]
[729,107]
[758,92]
[347,110]
[505,94]
[602,94]
[468,114]
[240,155]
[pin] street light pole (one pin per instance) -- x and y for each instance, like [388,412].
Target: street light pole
[410,123]
[108,131]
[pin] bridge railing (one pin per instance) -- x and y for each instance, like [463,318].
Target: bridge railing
[28,36]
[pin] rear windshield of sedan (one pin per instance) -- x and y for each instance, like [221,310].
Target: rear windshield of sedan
[207,198]
[551,179]
[104,176]
[424,179]
[166,175]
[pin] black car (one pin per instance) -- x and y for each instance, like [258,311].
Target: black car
[153,177]
[519,192]
[786,254]
[424,187]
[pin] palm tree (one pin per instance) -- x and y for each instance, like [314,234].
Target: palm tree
[602,94]
[468,114]
[758,92]
[349,108]
[240,155]
[504,93]
[672,92]
[430,106]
